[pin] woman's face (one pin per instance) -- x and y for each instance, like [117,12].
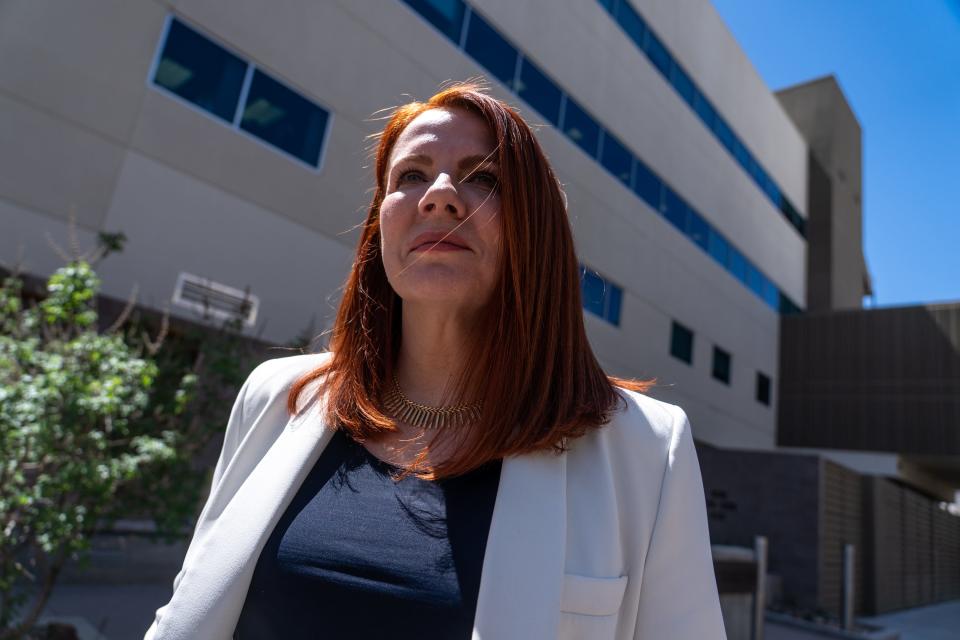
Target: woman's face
[439,220]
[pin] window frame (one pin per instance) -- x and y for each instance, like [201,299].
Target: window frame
[234,124]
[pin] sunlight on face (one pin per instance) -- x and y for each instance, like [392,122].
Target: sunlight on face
[439,220]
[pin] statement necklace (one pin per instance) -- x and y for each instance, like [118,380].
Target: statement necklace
[424,416]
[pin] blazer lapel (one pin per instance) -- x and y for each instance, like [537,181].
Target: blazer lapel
[522,578]
[210,596]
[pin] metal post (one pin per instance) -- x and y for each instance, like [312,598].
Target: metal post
[848,585]
[760,595]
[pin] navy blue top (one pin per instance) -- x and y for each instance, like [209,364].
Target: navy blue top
[359,555]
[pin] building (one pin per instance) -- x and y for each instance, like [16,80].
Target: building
[230,144]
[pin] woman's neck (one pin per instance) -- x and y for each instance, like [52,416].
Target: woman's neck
[432,352]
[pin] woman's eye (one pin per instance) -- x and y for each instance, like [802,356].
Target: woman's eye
[485,178]
[411,175]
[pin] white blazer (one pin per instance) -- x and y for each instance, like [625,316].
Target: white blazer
[607,540]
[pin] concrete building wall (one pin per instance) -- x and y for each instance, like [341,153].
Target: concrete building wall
[83,125]
[826,120]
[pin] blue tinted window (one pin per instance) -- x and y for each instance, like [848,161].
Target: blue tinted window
[724,132]
[771,294]
[539,91]
[592,290]
[658,54]
[613,304]
[741,154]
[200,71]
[773,191]
[445,15]
[632,23]
[616,158]
[754,279]
[704,109]
[718,247]
[674,209]
[683,84]
[600,297]
[738,265]
[697,228]
[581,128]
[759,175]
[490,49]
[647,185]
[608,5]
[284,118]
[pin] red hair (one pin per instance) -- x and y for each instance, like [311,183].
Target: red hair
[532,369]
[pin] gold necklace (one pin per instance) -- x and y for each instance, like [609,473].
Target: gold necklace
[424,416]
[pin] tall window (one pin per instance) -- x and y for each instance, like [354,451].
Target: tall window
[721,365]
[681,342]
[763,388]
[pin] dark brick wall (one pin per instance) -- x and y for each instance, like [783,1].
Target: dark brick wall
[772,494]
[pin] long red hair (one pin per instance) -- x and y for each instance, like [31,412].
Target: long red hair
[531,366]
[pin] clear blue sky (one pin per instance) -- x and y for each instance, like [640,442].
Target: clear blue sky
[898,63]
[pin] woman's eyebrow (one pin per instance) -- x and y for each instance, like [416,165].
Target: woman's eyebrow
[417,158]
[474,162]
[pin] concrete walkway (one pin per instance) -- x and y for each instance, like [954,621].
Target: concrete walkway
[934,622]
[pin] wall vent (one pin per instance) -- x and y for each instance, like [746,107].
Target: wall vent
[215,300]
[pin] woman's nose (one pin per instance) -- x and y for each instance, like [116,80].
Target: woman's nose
[442,196]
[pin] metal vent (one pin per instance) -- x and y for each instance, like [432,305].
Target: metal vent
[215,300]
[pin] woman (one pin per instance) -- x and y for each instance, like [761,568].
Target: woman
[458,465]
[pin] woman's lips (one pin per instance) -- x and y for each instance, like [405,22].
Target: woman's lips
[439,246]
[438,241]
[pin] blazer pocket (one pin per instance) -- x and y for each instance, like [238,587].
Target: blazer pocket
[592,596]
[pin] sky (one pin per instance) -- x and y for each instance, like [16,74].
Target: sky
[898,64]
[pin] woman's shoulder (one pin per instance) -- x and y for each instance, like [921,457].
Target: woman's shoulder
[272,379]
[643,418]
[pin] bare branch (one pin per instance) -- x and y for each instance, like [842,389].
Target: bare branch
[154,345]
[127,310]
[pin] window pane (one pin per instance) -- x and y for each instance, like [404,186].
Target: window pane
[681,343]
[284,118]
[771,294]
[592,288]
[738,265]
[648,186]
[581,128]
[683,84]
[445,15]
[614,293]
[754,279]
[774,192]
[616,158]
[704,109]
[763,389]
[721,365]
[490,49]
[608,5]
[658,54]
[674,209]
[539,91]
[631,22]
[718,247]
[200,71]
[724,132]
[741,154]
[697,228]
